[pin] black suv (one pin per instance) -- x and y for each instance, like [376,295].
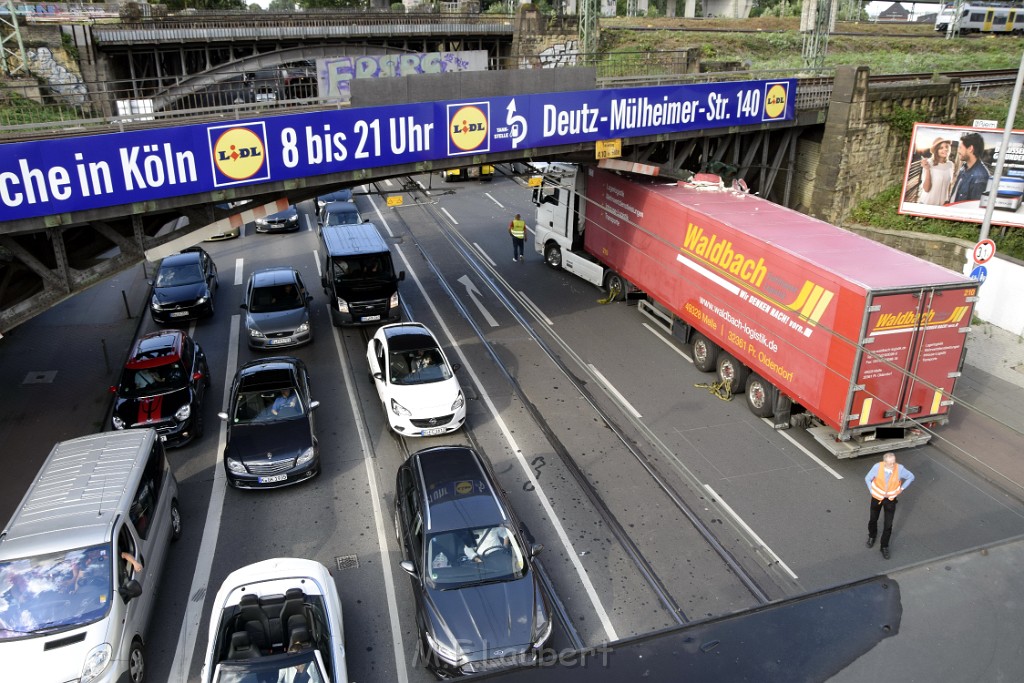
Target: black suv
[162,386]
[184,287]
[479,602]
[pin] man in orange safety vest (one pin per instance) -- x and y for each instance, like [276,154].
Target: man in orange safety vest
[885,481]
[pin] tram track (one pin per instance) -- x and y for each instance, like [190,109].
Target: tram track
[636,556]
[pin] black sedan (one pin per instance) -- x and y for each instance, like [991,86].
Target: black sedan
[271,431]
[162,386]
[184,287]
[282,221]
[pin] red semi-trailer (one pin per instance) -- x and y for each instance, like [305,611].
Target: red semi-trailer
[816,325]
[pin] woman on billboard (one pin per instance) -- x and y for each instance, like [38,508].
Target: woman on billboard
[936,174]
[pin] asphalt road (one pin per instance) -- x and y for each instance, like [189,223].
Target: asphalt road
[657,503]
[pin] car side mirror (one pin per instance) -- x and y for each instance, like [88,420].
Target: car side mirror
[223,416]
[113,389]
[379,376]
[401,275]
[408,567]
[309,298]
[313,405]
[243,307]
[130,590]
[535,549]
[456,367]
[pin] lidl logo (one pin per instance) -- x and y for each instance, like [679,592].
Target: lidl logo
[776,95]
[468,128]
[239,153]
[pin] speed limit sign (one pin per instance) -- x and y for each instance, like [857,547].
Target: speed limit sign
[984,251]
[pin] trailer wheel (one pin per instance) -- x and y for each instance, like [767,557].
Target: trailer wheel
[553,256]
[732,371]
[760,396]
[616,286]
[705,353]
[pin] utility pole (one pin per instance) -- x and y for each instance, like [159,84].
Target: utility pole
[12,49]
[817,20]
[953,27]
[993,189]
[589,11]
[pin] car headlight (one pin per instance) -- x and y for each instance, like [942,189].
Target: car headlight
[95,662]
[304,327]
[202,300]
[155,303]
[253,331]
[393,303]
[450,655]
[459,402]
[542,623]
[118,422]
[183,413]
[342,305]
[293,218]
[234,465]
[306,456]
[261,222]
[398,409]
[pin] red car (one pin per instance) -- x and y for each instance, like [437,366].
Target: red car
[163,386]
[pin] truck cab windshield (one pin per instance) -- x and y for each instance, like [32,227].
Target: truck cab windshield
[364,267]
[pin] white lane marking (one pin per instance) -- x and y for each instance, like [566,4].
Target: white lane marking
[668,343]
[200,590]
[382,541]
[192,328]
[309,222]
[810,455]
[474,294]
[613,391]
[536,309]
[423,187]
[450,217]
[725,506]
[316,260]
[488,195]
[485,255]
[387,181]
[239,270]
[542,495]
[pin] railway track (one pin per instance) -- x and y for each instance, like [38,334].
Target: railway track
[661,588]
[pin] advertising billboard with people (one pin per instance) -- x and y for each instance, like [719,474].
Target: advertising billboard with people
[950,174]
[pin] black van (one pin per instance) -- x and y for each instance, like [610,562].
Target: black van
[359,276]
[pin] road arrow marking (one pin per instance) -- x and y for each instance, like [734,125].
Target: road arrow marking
[474,294]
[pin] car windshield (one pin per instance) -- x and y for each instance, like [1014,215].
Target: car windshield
[419,366]
[185,274]
[300,666]
[366,267]
[348,217]
[267,405]
[56,591]
[275,298]
[150,381]
[475,555]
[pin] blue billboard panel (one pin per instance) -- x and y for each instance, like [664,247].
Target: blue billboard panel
[74,174]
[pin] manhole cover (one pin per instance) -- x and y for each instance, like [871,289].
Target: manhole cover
[40,377]
[347,562]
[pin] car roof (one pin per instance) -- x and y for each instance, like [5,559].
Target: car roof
[343,194]
[77,493]
[408,336]
[350,240]
[269,373]
[274,276]
[190,255]
[157,348]
[457,488]
[341,207]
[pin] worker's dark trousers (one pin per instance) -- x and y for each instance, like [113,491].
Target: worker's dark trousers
[890,513]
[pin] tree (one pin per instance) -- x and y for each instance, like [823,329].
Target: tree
[178,5]
[282,5]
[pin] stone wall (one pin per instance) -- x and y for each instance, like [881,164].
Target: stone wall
[860,152]
[538,45]
[59,75]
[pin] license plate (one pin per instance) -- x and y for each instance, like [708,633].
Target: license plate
[273,342]
[369,318]
[433,431]
[179,314]
[273,479]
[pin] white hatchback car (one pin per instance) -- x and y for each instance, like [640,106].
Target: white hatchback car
[416,384]
[277,620]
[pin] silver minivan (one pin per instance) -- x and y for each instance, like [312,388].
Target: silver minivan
[81,560]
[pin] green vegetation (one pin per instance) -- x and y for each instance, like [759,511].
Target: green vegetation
[17,110]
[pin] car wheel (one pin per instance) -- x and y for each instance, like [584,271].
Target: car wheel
[616,286]
[136,663]
[705,353]
[553,256]
[175,520]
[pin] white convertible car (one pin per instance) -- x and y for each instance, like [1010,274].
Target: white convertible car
[277,620]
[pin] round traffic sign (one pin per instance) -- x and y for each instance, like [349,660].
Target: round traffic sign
[984,251]
[980,273]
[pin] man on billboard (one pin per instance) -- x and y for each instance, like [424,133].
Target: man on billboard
[973,177]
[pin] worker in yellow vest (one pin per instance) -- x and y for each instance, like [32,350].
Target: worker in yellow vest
[517,228]
[885,481]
